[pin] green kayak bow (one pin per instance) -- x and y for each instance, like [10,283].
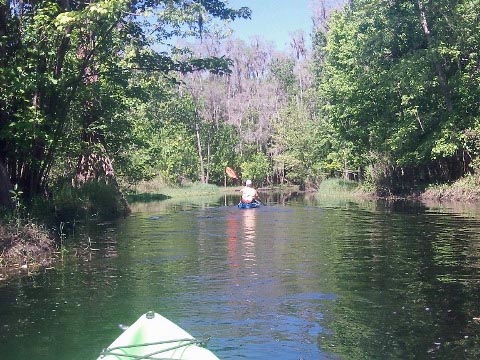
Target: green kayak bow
[154,337]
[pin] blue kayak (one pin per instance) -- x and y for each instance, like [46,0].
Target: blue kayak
[251,205]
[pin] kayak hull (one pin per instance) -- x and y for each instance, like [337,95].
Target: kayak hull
[251,205]
[154,337]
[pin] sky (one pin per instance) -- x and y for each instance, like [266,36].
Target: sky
[273,20]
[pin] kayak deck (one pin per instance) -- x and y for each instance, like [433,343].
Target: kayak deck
[154,337]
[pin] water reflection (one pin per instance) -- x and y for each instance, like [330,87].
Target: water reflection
[249,224]
[248,217]
[241,232]
[233,227]
[404,276]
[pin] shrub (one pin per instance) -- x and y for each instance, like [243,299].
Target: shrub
[92,199]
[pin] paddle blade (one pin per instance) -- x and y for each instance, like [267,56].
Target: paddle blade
[231,173]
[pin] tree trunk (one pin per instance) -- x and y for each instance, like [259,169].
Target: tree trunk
[207,177]
[438,66]
[199,145]
[3,31]
[5,184]
[5,187]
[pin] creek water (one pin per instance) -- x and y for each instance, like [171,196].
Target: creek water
[295,279]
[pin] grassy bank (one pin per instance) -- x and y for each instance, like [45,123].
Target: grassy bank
[156,190]
[340,188]
[464,189]
[24,248]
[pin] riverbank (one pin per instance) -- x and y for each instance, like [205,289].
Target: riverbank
[27,247]
[153,191]
[24,248]
[463,190]
[340,188]
[156,190]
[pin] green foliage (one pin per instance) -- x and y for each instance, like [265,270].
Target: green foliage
[18,206]
[222,142]
[283,71]
[256,168]
[177,155]
[163,140]
[337,187]
[156,189]
[391,84]
[103,200]
[300,143]
[68,203]
[70,73]
[395,90]
[96,199]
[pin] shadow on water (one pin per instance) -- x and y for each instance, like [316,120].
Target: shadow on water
[298,278]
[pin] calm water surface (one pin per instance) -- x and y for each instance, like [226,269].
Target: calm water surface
[291,280]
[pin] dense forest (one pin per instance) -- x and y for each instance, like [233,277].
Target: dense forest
[116,92]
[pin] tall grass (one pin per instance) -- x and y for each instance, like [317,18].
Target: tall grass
[92,199]
[464,189]
[158,188]
[338,188]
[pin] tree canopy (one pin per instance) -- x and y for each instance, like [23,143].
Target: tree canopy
[399,80]
[70,70]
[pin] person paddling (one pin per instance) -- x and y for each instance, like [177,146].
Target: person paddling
[249,194]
